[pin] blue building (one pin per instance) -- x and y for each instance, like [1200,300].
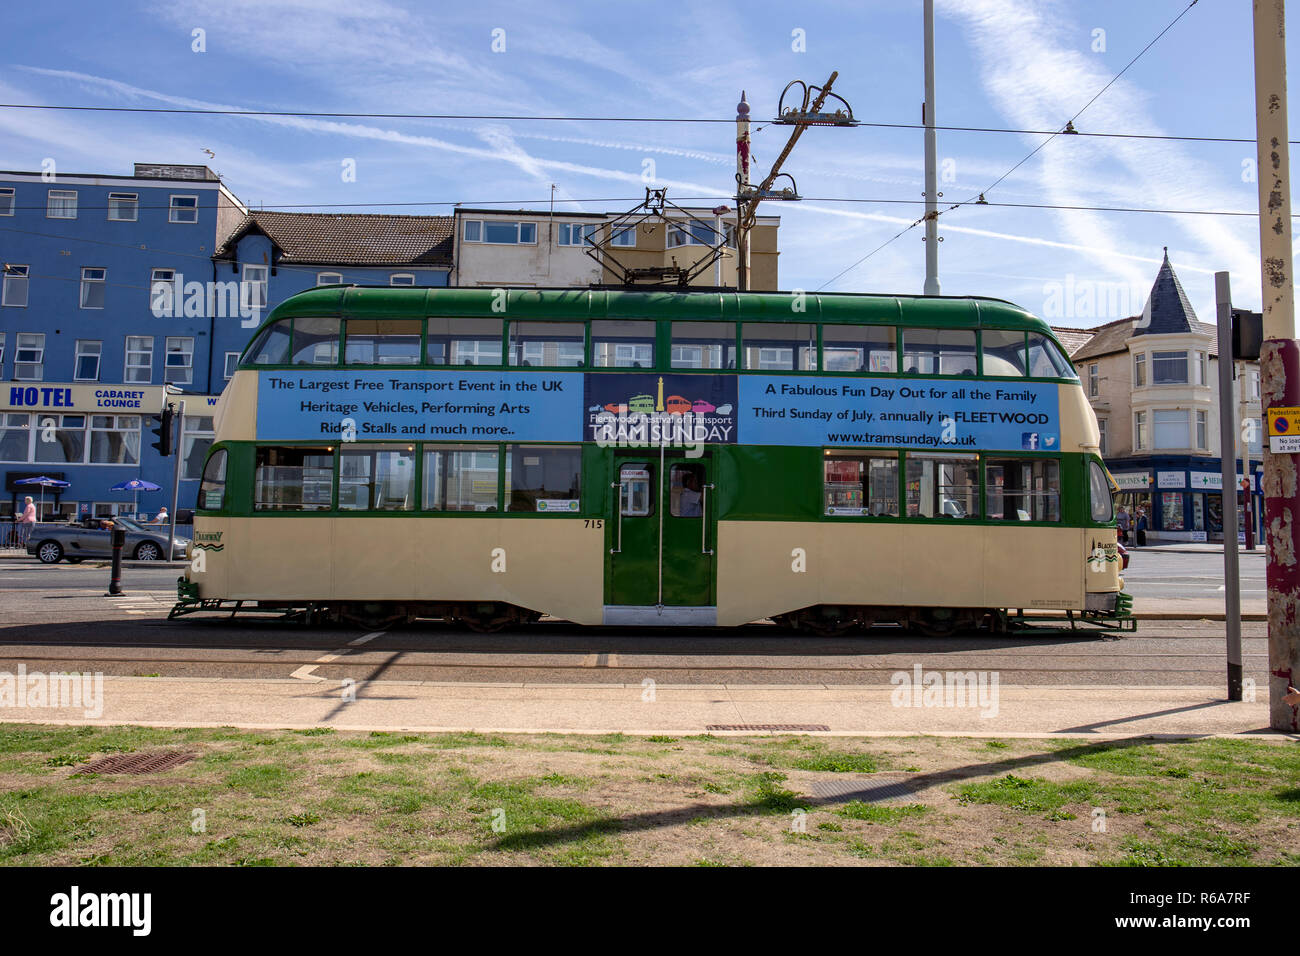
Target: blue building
[119,290]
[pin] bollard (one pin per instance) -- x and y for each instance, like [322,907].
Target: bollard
[115,581]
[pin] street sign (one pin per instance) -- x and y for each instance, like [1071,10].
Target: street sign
[1284,430]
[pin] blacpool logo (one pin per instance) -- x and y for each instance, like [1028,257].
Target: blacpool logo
[74,909]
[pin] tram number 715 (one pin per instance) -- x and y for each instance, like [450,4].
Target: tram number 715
[593,523]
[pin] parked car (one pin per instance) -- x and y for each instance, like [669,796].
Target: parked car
[51,543]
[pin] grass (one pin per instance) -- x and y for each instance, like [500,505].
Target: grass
[326,797]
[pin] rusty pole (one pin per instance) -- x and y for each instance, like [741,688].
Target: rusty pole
[1279,358]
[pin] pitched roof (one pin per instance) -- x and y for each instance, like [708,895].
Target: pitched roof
[1167,311]
[1073,339]
[349,239]
[1105,339]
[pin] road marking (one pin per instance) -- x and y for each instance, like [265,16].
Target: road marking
[365,640]
[305,672]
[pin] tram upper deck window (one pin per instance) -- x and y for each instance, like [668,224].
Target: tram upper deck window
[547,344]
[212,490]
[859,348]
[622,344]
[293,479]
[942,486]
[272,346]
[939,351]
[315,341]
[456,341]
[780,346]
[383,342]
[860,484]
[1023,489]
[460,477]
[377,478]
[1099,488]
[1004,352]
[1046,359]
[704,345]
[543,478]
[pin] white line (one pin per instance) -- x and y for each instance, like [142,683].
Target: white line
[366,639]
[305,673]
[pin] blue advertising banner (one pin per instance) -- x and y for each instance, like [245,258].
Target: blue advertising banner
[899,413]
[430,404]
[637,408]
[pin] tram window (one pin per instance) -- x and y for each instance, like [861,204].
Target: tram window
[383,342]
[1023,489]
[1003,351]
[939,351]
[859,348]
[704,345]
[547,344]
[377,478]
[464,341]
[942,486]
[686,491]
[635,499]
[1046,360]
[212,491]
[620,344]
[293,479]
[1103,507]
[460,477]
[272,346]
[779,347]
[543,477]
[860,484]
[315,341]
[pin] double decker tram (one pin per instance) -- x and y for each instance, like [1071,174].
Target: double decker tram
[655,458]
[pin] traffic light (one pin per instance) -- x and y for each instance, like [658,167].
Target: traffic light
[163,430]
[1247,334]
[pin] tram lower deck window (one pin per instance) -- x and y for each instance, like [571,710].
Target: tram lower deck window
[943,486]
[1023,489]
[543,478]
[377,478]
[860,484]
[460,477]
[293,479]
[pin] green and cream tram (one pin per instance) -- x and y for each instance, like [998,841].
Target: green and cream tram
[655,458]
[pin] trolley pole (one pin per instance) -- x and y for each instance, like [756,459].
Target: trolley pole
[1279,358]
[1228,464]
[931,174]
[742,185]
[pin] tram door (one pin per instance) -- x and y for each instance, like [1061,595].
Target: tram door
[661,532]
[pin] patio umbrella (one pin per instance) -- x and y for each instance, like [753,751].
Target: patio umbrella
[135,486]
[44,483]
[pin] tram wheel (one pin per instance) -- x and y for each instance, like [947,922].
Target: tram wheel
[939,622]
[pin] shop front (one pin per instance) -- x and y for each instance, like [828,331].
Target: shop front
[1182,497]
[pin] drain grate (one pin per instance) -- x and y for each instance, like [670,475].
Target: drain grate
[766,727]
[866,791]
[149,762]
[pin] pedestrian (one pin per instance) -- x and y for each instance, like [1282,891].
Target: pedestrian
[1142,527]
[1122,523]
[27,522]
[161,517]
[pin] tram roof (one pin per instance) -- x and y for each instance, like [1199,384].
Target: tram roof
[714,305]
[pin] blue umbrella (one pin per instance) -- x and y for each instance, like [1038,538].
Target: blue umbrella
[135,485]
[44,482]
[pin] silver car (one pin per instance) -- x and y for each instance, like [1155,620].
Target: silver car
[51,543]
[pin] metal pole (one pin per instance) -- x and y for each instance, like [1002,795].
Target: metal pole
[178,451]
[1247,484]
[742,183]
[1279,357]
[117,538]
[1228,468]
[931,176]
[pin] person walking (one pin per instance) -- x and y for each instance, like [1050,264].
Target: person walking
[27,522]
[1122,522]
[1142,527]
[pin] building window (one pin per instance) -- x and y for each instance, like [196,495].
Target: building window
[29,357]
[1139,431]
[86,368]
[1202,368]
[860,484]
[6,202]
[577,234]
[61,439]
[1139,370]
[1202,431]
[61,204]
[2,355]
[377,478]
[123,207]
[293,479]
[473,230]
[329,278]
[179,362]
[543,478]
[1093,381]
[1169,368]
[93,283]
[1019,489]
[232,363]
[1169,427]
[162,293]
[183,209]
[943,486]
[194,447]
[15,286]
[15,437]
[623,237]
[139,360]
[252,290]
[401,279]
[1102,444]
[500,233]
[114,439]
[692,233]
[1254,384]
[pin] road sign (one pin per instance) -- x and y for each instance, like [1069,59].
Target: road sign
[1284,430]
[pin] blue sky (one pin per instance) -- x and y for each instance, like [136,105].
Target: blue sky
[1004,63]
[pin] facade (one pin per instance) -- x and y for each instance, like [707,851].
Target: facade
[84,356]
[1153,383]
[525,248]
